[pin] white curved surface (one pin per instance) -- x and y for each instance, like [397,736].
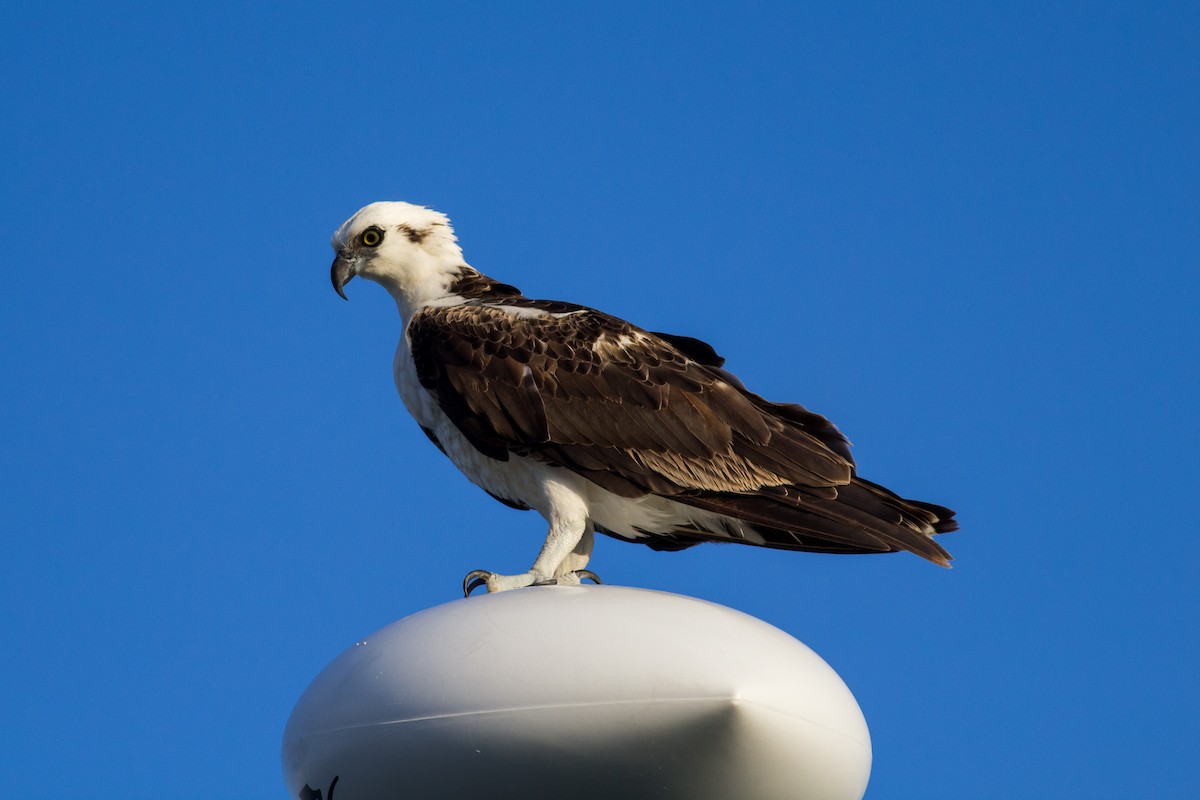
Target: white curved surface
[579,692]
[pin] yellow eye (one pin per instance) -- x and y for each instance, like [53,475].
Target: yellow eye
[371,237]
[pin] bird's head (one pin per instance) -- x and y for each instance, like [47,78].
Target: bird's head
[410,250]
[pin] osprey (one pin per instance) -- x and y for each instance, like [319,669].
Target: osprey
[599,425]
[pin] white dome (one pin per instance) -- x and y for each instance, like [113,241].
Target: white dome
[578,692]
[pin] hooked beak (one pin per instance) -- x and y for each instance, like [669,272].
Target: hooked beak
[343,269]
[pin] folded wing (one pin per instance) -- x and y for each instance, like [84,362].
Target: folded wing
[643,413]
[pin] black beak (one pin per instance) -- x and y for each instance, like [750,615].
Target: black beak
[341,272]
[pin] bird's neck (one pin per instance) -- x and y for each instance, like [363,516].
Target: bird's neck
[429,282]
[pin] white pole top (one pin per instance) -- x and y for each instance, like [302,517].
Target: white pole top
[578,692]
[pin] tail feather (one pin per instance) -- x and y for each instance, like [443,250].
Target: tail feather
[863,518]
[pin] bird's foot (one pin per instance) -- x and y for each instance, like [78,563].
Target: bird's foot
[573,578]
[502,583]
[495,583]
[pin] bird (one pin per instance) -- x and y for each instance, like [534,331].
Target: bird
[602,426]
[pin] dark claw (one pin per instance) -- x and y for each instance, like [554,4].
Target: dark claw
[587,573]
[475,578]
[579,573]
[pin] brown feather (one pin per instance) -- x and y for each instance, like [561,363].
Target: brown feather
[640,413]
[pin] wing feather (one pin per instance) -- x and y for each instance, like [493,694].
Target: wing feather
[529,384]
[641,413]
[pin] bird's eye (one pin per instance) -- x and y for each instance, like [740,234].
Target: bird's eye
[371,237]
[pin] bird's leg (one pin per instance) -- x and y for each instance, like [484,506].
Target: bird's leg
[567,548]
[571,571]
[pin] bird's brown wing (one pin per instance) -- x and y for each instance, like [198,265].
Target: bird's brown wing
[637,413]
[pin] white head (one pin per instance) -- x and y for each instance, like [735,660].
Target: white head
[410,250]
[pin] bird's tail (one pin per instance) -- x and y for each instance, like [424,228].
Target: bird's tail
[864,517]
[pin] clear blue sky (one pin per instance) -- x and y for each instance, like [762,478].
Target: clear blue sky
[969,234]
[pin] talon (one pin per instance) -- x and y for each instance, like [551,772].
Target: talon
[475,578]
[587,573]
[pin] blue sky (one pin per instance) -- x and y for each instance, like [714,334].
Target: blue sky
[968,233]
